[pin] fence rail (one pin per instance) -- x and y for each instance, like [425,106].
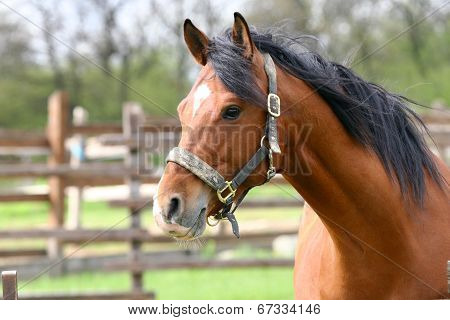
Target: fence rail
[20,138]
[120,235]
[13,197]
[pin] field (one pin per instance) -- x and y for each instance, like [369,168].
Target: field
[236,283]
[248,283]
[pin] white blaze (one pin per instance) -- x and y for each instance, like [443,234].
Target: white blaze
[200,95]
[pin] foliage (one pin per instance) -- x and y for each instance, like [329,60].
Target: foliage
[111,40]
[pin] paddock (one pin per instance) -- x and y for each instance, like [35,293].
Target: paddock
[114,150]
[73,155]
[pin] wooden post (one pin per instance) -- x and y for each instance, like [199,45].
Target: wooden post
[58,111]
[9,283]
[132,114]
[77,156]
[448,276]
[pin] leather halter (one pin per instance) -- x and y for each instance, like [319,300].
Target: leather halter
[226,190]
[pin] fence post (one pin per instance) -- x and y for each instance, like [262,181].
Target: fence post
[9,283]
[131,116]
[448,276]
[58,111]
[77,156]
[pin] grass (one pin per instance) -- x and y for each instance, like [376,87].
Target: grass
[233,283]
[248,283]
[99,215]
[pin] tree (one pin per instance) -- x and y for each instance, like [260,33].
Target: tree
[51,23]
[173,22]
[15,49]
[75,63]
[411,13]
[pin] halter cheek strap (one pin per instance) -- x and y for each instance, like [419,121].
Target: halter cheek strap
[273,104]
[226,190]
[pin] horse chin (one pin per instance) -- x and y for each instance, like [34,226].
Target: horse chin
[196,230]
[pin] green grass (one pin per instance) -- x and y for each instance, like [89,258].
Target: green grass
[248,283]
[283,191]
[98,215]
[23,215]
[240,283]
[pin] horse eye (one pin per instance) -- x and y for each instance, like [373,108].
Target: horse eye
[231,113]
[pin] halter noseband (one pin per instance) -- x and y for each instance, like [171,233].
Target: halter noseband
[226,190]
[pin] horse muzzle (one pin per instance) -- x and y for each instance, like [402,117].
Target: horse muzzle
[179,219]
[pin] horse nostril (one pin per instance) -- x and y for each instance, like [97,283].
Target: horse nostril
[174,207]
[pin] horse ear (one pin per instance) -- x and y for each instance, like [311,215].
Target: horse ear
[241,35]
[196,41]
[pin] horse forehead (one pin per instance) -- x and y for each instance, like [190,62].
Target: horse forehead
[204,90]
[208,91]
[201,93]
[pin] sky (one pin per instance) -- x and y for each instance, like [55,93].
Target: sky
[134,11]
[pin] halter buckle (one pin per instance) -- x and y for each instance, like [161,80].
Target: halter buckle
[273,105]
[231,194]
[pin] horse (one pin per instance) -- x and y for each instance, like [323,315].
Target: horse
[376,217]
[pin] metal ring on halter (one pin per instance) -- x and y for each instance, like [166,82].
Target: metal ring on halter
[271,171]
[262,140]
[217,221]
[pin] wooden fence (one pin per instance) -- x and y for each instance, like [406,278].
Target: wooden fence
[10,291]
[9,284]
[61,173]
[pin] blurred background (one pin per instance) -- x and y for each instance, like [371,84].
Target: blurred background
[98,55]
[48,45]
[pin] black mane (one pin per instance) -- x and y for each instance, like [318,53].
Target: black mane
[378,119]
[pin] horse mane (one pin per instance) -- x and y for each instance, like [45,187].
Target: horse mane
[378,119]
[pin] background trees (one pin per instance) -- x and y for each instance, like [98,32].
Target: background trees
[85,47]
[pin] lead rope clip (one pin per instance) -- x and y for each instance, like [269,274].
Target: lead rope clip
[272,170]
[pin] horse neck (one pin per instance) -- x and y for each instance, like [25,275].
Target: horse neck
[343,181]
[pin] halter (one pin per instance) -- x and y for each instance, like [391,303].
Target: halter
[226,190]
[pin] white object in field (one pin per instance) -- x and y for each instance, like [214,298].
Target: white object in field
[284,246]
[77,155]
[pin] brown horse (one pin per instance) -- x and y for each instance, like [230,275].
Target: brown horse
[377,219]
